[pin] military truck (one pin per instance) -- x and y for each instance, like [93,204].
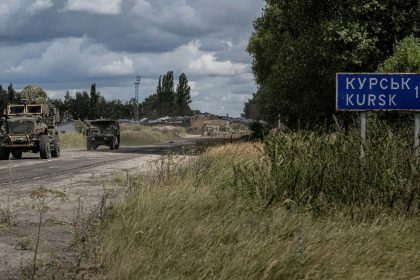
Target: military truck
[29,128]
[103,132]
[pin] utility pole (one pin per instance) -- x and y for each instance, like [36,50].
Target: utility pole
[136,98]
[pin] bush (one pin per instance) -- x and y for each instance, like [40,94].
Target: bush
[259,130]
[325,172]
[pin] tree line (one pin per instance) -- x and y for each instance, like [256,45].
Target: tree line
[7,96]
[299,46]
[84,105]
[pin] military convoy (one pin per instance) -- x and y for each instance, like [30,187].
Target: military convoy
[103,132]
[29,128]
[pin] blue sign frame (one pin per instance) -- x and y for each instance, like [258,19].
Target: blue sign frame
[378,92]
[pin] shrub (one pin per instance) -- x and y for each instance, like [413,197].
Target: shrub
[325,172]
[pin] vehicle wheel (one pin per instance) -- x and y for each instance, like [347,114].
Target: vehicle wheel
[112,145]
[94,146]
[17,154]
[4,154]
[117,145]
[44,147]
[88,146]
[55,152]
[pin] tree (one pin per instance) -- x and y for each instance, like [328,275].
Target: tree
[166,95]
[11,93]
[406,57]
[252,108]
[3,99]
[149,106]
[183,96]
[299,46]
[93,103]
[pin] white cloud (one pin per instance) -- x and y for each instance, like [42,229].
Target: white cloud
[73,58]
[119,67]
[39,5]
[208,64]
[142,8]
[17,12]
[173,16]
[190,59]
[107,7]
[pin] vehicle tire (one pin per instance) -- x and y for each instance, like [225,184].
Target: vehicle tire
[88,146]
[118,141]
[55,152]
[117,145]
[94,146]
[44,147]
[4,154]
[112,145]
[17,154]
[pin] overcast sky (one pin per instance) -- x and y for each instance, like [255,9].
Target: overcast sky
[68,44]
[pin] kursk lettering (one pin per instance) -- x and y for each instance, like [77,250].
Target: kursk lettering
[371,100]
[373,83]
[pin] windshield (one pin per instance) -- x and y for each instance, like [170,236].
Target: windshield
[94,130]
[20,126]
[104,126]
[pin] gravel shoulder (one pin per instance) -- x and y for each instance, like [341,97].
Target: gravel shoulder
[68,199]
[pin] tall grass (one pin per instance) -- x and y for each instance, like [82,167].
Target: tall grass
[200,222]
[325,173]
[72,141]
[132,135]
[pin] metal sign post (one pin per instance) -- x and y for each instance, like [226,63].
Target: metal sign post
[362,133]
[416,133]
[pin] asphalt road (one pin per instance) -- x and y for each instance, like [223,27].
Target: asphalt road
[31,167]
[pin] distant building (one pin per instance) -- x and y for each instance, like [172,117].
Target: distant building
[198,122]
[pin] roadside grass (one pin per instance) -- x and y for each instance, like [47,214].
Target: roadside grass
[134,135]
[301,205]
[131,135]
[72,141]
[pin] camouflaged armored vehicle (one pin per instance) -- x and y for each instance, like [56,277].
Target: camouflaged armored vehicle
[103,132]
[29,128]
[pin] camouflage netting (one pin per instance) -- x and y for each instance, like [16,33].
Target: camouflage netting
[34,94]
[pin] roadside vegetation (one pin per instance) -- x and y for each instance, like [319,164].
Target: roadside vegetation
[134,135]
[131,135]
[72,140]
[299,205]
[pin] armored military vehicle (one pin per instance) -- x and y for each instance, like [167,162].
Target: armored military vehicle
[103,132]
[29,128]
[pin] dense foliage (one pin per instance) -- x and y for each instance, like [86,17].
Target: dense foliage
[166,101]
[406,57]
[299,46]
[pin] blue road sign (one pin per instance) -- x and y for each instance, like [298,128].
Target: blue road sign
[369,92]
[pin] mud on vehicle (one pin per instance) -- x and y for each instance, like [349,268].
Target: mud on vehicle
[29,128]
[103,132]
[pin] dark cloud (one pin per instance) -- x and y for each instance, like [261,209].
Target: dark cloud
[67,44]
